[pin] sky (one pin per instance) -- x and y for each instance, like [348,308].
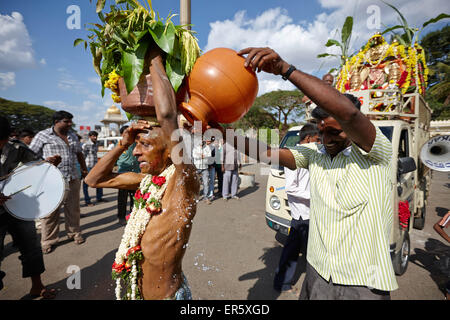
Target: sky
[39,65]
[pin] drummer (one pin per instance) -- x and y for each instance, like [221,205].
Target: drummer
[23,232]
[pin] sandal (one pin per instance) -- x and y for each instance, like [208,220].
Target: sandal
[45,294]
[79,240]
[47,250]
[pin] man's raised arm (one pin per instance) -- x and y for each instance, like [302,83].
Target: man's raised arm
[163,96]
[358,127]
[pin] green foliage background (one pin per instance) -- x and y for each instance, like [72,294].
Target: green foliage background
[22,115]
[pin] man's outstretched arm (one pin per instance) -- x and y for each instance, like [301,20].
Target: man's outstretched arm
[256,149]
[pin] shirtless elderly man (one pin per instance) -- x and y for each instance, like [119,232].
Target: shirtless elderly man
[167,201]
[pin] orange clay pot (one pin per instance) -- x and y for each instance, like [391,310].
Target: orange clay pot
[139,101]
[220,88]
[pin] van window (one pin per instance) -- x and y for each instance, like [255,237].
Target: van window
[387,131]
[290,140]
[403,147]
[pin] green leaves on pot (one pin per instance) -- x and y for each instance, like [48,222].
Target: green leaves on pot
[175,72]
[164,36]
[133,64]
[120,40]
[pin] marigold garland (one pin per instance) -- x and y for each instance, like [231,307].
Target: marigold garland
[147,202]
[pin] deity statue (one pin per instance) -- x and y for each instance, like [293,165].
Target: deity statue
[355,81]
[394,72]
[377,50]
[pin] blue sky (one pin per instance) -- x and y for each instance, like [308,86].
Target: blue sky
[39,65]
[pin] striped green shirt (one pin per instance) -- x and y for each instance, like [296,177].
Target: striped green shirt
[351,213]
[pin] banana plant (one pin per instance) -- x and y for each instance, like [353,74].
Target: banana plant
[409,35]
[344,45]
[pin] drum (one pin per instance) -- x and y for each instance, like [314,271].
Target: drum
[37,189]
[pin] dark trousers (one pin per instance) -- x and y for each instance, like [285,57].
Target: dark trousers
[98,192]
[122,200]
[295,243]
[26,239]
[317,288]
[219,177]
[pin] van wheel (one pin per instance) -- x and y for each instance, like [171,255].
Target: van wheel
[401,258]
[419,223]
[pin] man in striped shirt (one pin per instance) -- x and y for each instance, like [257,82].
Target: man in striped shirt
[350,175]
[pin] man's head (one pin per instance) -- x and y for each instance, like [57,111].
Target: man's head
[328,78]
[152,151]
[62,121]
[309,133]
[5,130]
[333,137]
[26,136]
[122,129]
[93,135]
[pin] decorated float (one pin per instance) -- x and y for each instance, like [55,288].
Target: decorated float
[385,76]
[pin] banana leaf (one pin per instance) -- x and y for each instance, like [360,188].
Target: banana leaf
[133,64]
[164,36]
[347,30]
[332,42]
[434,20]
[174,71]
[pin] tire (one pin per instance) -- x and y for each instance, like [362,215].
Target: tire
[419,223]
[401,258]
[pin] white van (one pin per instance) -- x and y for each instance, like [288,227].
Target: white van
[277,209]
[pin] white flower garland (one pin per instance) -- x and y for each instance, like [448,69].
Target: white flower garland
[135,228]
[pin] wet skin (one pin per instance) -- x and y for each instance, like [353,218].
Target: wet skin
[165,239]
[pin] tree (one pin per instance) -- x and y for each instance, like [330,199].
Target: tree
[437,47]
[22,115]
[256,118]
[281,104]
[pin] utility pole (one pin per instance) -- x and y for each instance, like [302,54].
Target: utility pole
[185,13]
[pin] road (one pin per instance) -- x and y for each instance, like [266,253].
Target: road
[232,254]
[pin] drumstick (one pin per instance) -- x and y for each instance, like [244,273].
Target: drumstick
[14,193]
[41,182]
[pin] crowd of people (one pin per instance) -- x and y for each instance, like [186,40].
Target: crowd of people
[337,181]
[216,160]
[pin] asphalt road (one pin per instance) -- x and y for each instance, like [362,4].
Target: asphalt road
[232,254]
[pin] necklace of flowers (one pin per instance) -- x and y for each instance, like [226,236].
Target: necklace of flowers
[147,202]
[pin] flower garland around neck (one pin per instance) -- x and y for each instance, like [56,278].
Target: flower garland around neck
[147,202]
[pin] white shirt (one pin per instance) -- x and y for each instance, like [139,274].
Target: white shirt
[201,154]
[298,192]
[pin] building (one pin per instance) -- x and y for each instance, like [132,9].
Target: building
[112,122]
